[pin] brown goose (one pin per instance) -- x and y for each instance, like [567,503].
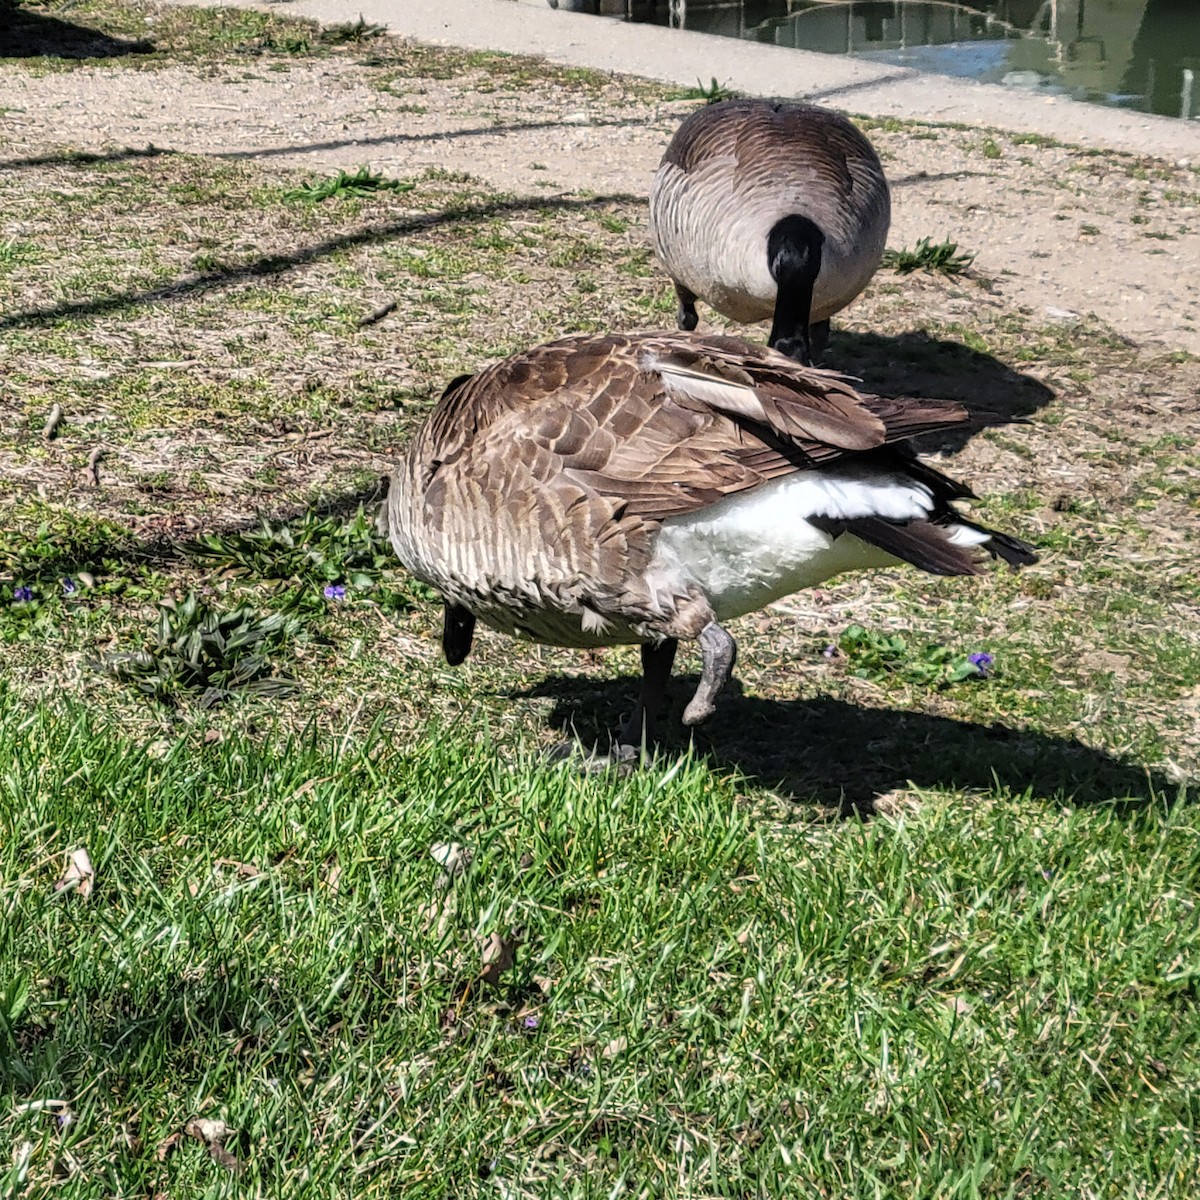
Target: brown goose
[646,488]
[770,210]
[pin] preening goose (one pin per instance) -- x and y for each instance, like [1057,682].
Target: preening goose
[646,488]
[770,210]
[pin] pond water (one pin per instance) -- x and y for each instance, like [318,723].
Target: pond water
[1141,54]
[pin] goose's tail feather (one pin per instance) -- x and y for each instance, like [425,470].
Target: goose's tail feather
[945,545]
[999,545]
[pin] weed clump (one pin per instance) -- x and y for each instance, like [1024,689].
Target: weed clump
[939,257]
[209,655]
[364,182]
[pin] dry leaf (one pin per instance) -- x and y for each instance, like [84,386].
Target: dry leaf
[1104,661]
[57,1107]
[65,1165]
[21,1156]
[53,421]
[130,1140]
[167,1145]
[213,1132]
[958,1006]
[498,954]
[79,875]
[435,916]
[244,870]
[615,1047]
[451,857]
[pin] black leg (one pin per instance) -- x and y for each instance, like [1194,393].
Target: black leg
[687,317]
[818,336]
[719,652]
[458,629]
[638,731]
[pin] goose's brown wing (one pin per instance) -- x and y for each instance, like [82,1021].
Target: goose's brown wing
[661,425]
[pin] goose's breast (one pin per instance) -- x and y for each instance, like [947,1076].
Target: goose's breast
[713,240]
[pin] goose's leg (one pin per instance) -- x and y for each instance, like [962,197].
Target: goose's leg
[794,259]
[657,661]
[818,336]
[687,318]
[719,653]
[458,629]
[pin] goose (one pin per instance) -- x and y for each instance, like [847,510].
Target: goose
[766,209]
[647,488]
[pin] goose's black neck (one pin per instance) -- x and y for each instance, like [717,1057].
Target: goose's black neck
[794,247]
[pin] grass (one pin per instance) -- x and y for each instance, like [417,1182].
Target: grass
[708,997]
[711,93]
[892,925]
[209,654]
[939,257]
[363,182]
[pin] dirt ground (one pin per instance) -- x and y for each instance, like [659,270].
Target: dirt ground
[1059,233]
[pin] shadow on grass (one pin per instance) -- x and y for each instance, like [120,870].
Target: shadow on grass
[915,364]
[30,34]
[273,265]
[843,756]
[432,135]
[84,158]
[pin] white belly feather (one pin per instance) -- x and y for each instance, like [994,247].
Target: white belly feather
[758,546]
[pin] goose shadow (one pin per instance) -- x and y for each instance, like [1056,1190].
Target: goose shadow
[915,364]
[25,34]
[844,756]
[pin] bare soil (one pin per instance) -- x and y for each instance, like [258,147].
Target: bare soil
[1061,232]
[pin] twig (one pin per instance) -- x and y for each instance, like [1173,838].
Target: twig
[53,421]
[93,465]
[377,315]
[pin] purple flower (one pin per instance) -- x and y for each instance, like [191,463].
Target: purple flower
[982,661]
[22,593]
[830,651]
[531,1022]
[68,586]
[335,591]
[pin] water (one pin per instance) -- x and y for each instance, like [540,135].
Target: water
[1140,54]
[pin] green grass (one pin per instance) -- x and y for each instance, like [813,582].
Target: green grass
[711,93]
[208,654]
[939,257]
[363,182]
[710,997]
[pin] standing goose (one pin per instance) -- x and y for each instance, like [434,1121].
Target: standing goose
[770,210]
[647,488]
